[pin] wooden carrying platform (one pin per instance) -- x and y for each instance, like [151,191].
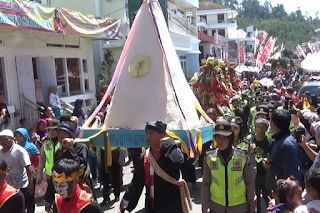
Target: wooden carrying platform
[136,138]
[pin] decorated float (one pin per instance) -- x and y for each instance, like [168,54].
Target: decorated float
[149,85]
[216,83]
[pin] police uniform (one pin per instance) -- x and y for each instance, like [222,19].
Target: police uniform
[253,113]
[228,182]
[48,150]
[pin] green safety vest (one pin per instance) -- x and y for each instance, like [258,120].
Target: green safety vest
[236,187]
[253,112]
[49,151]
[112,148]
[291,127]
[269,132]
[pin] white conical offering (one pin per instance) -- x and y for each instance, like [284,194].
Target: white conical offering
[145,90]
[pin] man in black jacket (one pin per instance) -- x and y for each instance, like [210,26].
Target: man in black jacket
[68,150]
[161,196]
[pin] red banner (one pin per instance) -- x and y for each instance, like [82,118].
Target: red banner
[265,52]
[262,39]
[241,55]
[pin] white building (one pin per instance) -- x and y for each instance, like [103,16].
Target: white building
[32,48]
[214,22]
[183,31]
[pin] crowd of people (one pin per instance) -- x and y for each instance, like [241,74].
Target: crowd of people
[264,151]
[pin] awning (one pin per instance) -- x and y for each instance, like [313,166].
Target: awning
[30,15]
[205,38]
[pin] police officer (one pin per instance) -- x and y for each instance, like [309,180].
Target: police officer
[50,146]
[253,112]
[228,181]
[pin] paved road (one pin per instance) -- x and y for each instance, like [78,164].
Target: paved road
[113,207]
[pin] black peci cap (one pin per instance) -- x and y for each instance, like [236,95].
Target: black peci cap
[158,126]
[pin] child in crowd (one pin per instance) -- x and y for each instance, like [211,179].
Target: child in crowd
[24,123]
[312,180]
[287,196]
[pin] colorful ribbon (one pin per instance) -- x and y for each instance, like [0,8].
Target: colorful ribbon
[183,143]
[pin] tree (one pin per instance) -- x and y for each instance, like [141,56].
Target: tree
[107,64]
[105,77]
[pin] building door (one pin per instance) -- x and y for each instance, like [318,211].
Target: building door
[46,74]
[26,87]
[183,62]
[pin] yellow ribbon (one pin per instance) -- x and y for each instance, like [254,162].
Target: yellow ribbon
[202,112]
[199,141]
[109,150]
[183,143]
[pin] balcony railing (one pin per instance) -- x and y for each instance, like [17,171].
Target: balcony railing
[181,25]
[221,21]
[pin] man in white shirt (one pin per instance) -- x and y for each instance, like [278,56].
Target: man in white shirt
[16,156]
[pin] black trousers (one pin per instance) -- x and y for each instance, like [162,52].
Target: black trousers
[261,188]
[29,199]
[112,175]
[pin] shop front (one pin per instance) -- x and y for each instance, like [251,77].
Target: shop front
[58,53]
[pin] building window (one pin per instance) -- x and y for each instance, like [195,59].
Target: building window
[183,63]
[220,18]
[74,76]
[222,32]
[85,74]
[203,19]
[213,32]
[61,78]
[205,32]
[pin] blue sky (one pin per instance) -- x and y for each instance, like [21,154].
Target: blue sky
[292,5]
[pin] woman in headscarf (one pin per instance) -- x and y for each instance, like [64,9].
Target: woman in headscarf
[78,112]
[54,100]
[309,148]
[39,93]
[23,139]
[39,135]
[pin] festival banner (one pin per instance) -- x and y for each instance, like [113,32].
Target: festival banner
[265,52]
[30,15]
[241,55]
[302,53]
[232,52]
[262,39]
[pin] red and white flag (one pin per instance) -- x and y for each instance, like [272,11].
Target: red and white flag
[302,53]
[262,39]
[265,52]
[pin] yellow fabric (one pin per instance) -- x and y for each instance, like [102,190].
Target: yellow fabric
[202,113]
[183,144]
[49,152]
[214,143]
[291,127]
[305,105]
[109,150]
[199,141]
[236,185]
[269,132]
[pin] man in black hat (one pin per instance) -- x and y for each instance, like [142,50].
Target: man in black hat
[228,181]
[68,150]
[161,196]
